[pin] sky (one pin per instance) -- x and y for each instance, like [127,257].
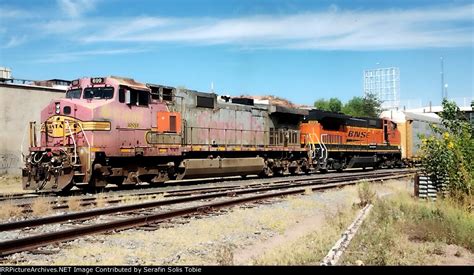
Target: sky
[299,50]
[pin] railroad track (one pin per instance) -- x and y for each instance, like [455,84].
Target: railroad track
[184,196]
[139,188]
[245,195]
[115,198]
[18,196]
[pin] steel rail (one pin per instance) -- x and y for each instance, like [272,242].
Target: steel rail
[32,242]
[29,195]
[116,198]
[126,208]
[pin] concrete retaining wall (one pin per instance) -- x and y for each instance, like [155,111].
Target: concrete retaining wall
[19,104]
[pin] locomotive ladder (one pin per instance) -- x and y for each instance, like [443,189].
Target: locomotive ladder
[71,133]
[312,145]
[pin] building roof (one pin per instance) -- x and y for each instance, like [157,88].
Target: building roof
[436,109]
[403,116]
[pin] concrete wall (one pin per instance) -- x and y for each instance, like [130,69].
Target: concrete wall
[19,104]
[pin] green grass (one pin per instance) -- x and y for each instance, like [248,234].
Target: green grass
[404,231]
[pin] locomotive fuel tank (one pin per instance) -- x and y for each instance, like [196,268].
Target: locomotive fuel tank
[202,168]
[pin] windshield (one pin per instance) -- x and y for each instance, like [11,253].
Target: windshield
[75,93]
[99,93]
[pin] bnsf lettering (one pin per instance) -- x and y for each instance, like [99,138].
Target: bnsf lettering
[358,134]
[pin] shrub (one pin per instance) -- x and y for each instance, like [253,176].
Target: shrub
[366,194]
[450,154]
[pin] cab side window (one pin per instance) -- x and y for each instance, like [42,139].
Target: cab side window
[143,98]
[137,97]
[122,95]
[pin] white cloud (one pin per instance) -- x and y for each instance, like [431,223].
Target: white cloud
[62,26]
[13,13]
[332,29]
[14,41]
[72,56]
[75,8]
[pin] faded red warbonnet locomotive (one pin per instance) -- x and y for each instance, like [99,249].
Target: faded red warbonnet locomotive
[116,130]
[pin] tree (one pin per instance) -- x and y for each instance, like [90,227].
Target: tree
[335,105]
[331,105]
[368,106]
[372,105]
[450,154]
[322,104]
[354,107]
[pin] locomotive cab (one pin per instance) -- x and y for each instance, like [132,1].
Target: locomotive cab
[390,132]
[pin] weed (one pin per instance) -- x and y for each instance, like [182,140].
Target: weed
[225,255]
[402,230]
[8,210]
[74,204]
[101,200]
[40,206]
[366,194]
[11,184]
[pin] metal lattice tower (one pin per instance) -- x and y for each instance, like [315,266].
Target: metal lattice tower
[385,84]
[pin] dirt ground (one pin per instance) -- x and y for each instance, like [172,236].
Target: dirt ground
[11,184]
[451,254]
[294,230]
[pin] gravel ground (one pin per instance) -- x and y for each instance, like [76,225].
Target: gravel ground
[217,238]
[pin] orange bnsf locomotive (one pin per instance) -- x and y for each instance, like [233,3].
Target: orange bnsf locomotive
[338,141]
[114,130]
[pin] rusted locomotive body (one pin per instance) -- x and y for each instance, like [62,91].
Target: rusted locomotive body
[116,130]
[338,141]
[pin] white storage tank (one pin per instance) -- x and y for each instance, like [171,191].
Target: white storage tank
[5,73]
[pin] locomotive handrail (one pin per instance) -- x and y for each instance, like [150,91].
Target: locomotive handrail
[73,140]
[22,157]
[312,147]
[325,148]
[88,145]
[241,131]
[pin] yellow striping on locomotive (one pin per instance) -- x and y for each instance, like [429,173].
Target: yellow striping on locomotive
[60,126]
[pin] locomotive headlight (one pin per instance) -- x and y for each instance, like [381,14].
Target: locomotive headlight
[58,108]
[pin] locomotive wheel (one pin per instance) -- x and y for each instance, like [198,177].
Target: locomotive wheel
[117,180]
[266,173]
[146,178]
[293,170]
[278,172]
